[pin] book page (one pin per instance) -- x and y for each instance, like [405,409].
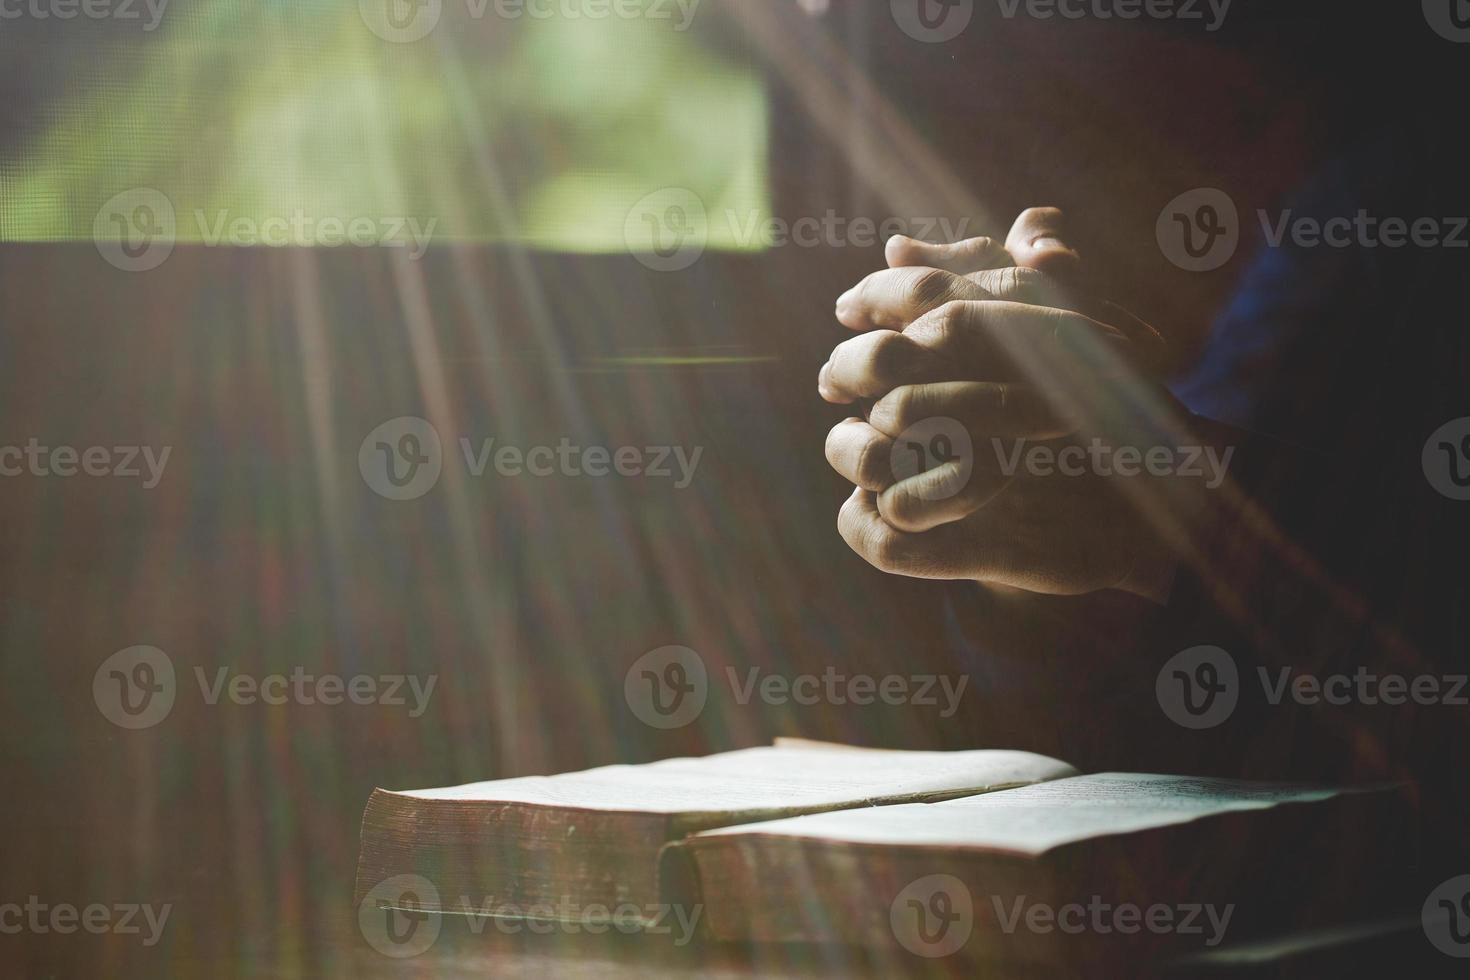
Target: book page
[1034,819]
[774,780]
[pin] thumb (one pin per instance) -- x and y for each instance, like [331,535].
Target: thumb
[1039,240]
[960,258]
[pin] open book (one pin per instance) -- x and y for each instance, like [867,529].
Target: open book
[805,841]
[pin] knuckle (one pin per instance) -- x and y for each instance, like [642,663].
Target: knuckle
[872,463]
[883,549]
[849,524]
[888,355]
[901,248]
[1042,215]
[833,447]
[953,315]
[1021,284]
[979,245]
[929,288]
[949,322]
[1073,335]
[978,254]
[902,510]
[894,412]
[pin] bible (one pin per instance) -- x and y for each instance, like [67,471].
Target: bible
[592,838]
[1002,855]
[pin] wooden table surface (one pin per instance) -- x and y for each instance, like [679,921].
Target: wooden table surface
[1390,948]
[1386,948]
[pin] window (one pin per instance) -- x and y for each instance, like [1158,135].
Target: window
[497,126]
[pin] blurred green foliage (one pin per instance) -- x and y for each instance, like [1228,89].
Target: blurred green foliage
[544,132]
